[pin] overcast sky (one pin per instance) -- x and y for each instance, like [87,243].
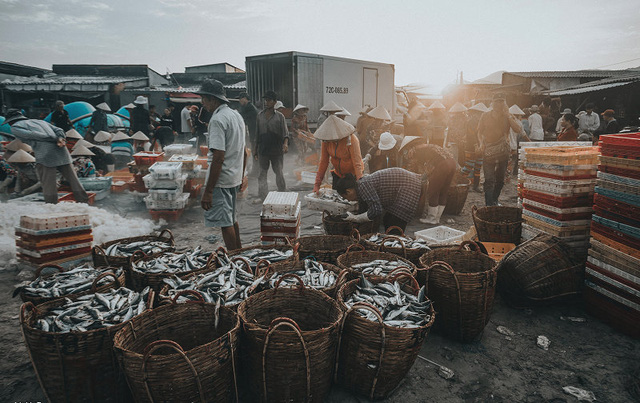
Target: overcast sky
[428,41]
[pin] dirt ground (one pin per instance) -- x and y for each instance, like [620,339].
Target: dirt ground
[497,368]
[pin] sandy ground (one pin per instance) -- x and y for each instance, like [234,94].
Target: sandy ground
[497,368]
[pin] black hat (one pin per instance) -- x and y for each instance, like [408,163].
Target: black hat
[14,115]
[213,88]
[244,95]
[270,95]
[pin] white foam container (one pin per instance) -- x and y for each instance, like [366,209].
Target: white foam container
[440,235]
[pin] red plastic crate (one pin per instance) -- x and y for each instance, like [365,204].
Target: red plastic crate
[622,139]
[69,198]
[617,315]
[617,206]
[616,236]
[580,200]
[616,216]
[167,215]
[204,150]
[145,158]
[620,152]
[558,177]
[194,192]
[619,171]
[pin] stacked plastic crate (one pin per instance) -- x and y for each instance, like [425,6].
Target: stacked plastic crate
[53,238]
[280,217]
[165,183]
[195,173]
[557,194]
[140,167]
[612,274]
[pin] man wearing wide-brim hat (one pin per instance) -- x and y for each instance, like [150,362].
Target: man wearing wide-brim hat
[48,143]
[328,109]
[272,142]
[99,120]
[380,123]
[227,164]
[140,119]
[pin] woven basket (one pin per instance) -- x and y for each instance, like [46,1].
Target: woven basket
[335,225]
[284,267]
[100,257]
[295,363]
[457,195]
[326,248]
[498,224]
[412,254]
[462,284]
[117,283]
[140,280]
[348,259]
[541,270]
[73,366]
[281,248]
[373,359]
[201,348]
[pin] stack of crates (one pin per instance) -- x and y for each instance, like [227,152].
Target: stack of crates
[195,173]
[140,167]
[280,217]
[557,193]
[53,238]
[165,183]
[612,274]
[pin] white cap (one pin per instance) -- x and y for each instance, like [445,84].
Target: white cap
[140,100]
[81,151]
[140,136]
[278,105]
[334,129]
[103,106]
[387,142]
[73,134]
[331,107]
[299,106]
[379,112]
[21,156]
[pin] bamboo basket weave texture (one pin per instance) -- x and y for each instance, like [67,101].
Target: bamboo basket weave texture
[140,279]
[294,265]
[412,254]
[498,224]
[326,248]
[101,259]
[347,260]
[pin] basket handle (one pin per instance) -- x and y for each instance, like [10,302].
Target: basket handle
[448,267]
[99,251]
[134,257]
[355,245]
[290,323]
[474,211]
[401,269]
[287,241]
[300,282]
[404,248]
[376,313]
[44,266]
[23,310]
[472,246]
[296,251]
[394,228]
[412,280]
[178,349]
[342,278]
[167,231]
[94,284]
[245,262]
[266,265]
[355,234]
[194,293]
[150,298]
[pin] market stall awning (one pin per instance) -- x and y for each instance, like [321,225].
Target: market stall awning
[57,83]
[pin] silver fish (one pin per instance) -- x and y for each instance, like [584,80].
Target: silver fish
[409,243]
[170,262]
[313,275]
[378,267]
[270,255]
[69,282]
[127,249]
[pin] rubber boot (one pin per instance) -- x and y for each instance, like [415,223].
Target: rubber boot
[439,215]
[476,184]
[430,217]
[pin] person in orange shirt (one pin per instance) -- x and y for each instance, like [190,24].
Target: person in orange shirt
[340,145]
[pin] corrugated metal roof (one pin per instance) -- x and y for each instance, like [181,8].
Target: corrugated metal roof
[582,90]
[64,79]
[569,74]
[237,86]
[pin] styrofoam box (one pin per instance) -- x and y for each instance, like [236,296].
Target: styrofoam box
[178,204]
[331,207]
[308,177]
[53,220]
[165,194]
[290,218]
[152,183]
[166,170]
[188,160]
[172,149]
[440,235]
[280,203]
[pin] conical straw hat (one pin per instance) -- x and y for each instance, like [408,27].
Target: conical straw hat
[299,107]
[73,134]
[379,112]
[104,107]
[331,107]
[26,147]
[82,142]
[436,105]
[21,156]
[102,136]
[406,140]
[81,150]
[140,136]
[515,110]
[480,107]
[14,145]
[343,112]
[457,107]
[119,136]
[334,129]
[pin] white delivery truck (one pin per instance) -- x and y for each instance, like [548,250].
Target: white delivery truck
[313,80]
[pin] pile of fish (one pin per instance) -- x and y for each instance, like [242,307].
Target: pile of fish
[313,275]
[229,283]
[127,249]
[397,307]
[381,239]
[69,282]
[270,255]
[94,311]
[170,262]
[378,267]
[331,196]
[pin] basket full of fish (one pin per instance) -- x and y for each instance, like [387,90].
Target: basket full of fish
[374,265]
[73,283]
[181,352]
[70,343]
[229,284]
[270,253]
[401,244]
[385,324]
[325,248]
[152,270]
[118,252]
[290,337]
[318,275]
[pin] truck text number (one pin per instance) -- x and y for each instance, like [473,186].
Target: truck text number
[337,90]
